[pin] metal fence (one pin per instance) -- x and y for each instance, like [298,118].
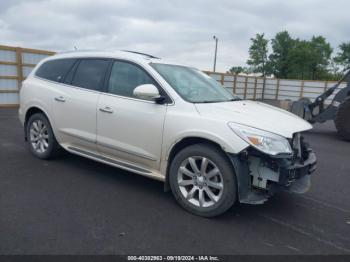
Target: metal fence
[251,87]
[16,63]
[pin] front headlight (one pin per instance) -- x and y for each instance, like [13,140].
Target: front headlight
[264,141]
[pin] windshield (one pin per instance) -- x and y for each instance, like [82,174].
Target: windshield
[193,85]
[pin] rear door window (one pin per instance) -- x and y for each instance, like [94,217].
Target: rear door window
[90,73]
[55,70]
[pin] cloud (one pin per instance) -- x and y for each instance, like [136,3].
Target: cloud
[179,30]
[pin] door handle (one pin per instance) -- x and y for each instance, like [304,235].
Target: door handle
[106,109]
[60,99]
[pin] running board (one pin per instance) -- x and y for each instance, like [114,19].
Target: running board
[116,163]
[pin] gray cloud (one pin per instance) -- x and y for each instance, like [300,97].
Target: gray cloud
[178,30]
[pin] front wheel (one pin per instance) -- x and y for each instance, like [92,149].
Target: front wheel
[202,180]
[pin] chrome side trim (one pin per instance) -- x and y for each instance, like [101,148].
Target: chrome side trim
[109,146]
[126,151]
[111,161]
[67,85]
[78,136]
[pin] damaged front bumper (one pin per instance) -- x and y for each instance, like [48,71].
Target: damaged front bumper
[259,176]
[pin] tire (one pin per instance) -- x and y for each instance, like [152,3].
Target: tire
[188,188]
[41,140]
[342,119]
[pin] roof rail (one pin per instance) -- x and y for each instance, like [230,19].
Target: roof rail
[139,53]
[78,51]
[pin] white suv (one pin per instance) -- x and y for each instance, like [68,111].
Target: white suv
[168,122]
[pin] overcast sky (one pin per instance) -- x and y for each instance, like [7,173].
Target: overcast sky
[181,30]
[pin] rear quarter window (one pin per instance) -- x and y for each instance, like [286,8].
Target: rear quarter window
[55,70]
[90,73]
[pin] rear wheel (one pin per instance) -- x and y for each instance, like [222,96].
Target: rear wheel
[202,180]
[342,119]
[41,140]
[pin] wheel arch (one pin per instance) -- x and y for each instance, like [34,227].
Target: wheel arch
[183,143]
[31,111]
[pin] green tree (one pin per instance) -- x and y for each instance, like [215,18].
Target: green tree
[295,58]
[335,73]
[343,56]
[258,60]
[236,70]
[281,44]
[320,54]
[299,60]
[309,59]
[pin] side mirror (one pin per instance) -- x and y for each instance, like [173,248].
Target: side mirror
[147,91]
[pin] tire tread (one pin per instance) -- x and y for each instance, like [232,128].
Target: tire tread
[342,119]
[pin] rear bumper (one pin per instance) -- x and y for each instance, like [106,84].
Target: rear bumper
[21,116]
[259,176]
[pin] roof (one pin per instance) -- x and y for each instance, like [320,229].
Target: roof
[137,57]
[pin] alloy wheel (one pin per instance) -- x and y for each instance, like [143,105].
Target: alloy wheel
[200,181]
[39,136]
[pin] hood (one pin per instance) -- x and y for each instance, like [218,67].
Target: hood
[257,115]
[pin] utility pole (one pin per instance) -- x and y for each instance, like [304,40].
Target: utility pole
[216,50]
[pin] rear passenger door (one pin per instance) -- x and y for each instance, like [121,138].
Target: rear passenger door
[75,101]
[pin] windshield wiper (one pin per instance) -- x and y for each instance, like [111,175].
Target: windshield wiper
[217,101]
[208,101]
[235,99]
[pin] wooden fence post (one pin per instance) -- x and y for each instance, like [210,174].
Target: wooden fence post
[263,89]
[235,84]
[255,85]
[277,88]
[222,78]
[301,89]
[19,67]
[245,87]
